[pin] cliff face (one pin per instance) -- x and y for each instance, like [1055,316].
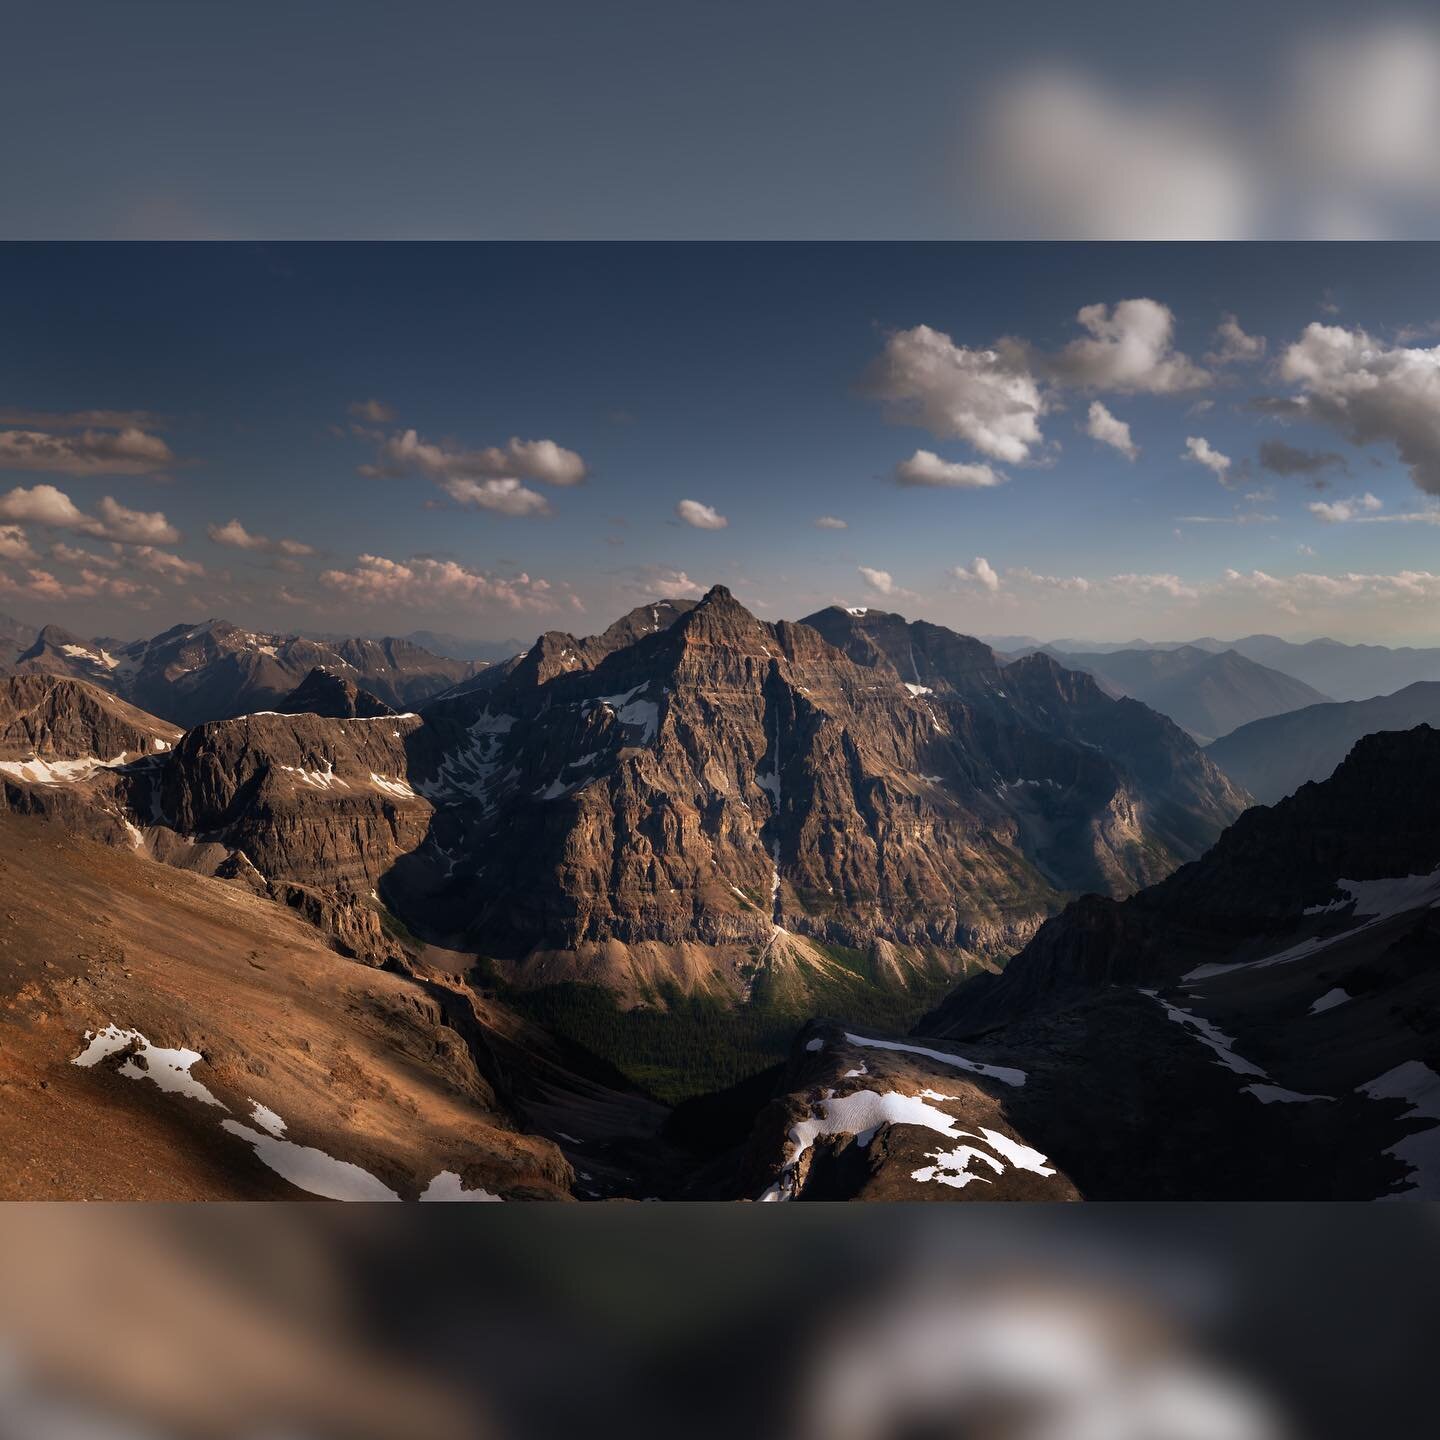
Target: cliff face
[305,797]
[719,777]
[52,718]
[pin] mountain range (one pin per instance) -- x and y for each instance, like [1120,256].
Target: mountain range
[1335,669]
[452,647]
[1207,692]
[191,674]
[623,871]
[1273,757]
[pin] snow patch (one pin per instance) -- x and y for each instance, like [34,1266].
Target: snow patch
[952,1167]
[96,657]
[644,714]
[1211,1036]
[393,787]
[1419,1086]
[470,770]
[1278,1094]
[918,689]
[312,1170]
[1002,1073]
[1328,1001]
[447,1186]
[325,779]
[1378,900]
[35,771]
[169,1069]
[266,1118]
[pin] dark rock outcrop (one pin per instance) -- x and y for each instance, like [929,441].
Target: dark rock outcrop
[323,692]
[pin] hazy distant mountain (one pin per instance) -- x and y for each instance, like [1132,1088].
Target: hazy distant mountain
[15,637]
[55,651]
[1207,693]
[1344,672]
[456,647]
[1331,667]
[1272,758]
[1025,644]
[440,642]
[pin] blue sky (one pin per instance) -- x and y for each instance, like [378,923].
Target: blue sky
[741,377]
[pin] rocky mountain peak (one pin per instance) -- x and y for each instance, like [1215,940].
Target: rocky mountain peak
[323,692]
[720,619]
[51,637]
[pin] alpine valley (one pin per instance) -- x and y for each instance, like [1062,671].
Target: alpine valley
[701,907]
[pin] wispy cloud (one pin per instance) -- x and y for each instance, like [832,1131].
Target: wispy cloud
[1202,452]
[126,450]
[234,535]
[423,582]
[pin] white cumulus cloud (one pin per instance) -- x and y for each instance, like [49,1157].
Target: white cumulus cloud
[983,397]
[1371,393]
[1064,156]
[925,468]
[701,516]
[45,505]
[505,495]
[490,478]
[981,572]
[1129,350]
